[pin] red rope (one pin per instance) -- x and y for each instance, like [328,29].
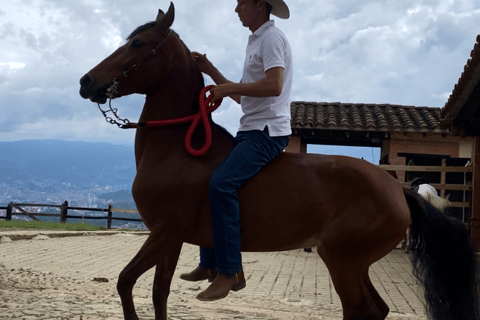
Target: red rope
[205,109]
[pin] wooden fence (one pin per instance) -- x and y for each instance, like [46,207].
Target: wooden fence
[400,170]
[64,214]
[64,207]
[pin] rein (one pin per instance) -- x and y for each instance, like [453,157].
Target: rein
[206,108]
[112,92]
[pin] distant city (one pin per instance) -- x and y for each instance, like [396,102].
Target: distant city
[21,192]
[90,175]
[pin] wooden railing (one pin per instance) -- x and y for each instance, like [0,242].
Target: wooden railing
[443,170]
[64,207]
[64,215]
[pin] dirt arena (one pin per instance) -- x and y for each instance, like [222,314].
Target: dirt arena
[72,275]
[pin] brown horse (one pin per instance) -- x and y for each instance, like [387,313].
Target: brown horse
[354,212]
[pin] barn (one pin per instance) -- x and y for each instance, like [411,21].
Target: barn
[439,144]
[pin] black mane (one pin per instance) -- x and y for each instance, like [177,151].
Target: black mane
[142,28]
[149,25]
[223,130]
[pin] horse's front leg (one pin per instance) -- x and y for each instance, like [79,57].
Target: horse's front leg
[163,278]
[157,245]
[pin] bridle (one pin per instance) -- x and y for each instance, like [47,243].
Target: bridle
[150,54]
[112,91]
[206,108]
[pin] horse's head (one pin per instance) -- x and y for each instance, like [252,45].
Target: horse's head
[135,67]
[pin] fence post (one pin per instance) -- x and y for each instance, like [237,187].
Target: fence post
[109,219]
[443,177]
[64,212]
[9,211]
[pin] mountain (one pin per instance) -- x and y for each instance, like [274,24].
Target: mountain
[121,199]
[76,163]
[117,196]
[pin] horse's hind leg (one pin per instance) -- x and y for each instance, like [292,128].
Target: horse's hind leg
[163,278]
[360,300]
[157,246]
[379,302]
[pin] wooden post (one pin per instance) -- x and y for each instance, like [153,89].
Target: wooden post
[9,211]
[402,161]
[64,212]
[443,178]
[295,145]
[109,219]
[475,214]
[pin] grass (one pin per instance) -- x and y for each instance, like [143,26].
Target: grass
[50,225]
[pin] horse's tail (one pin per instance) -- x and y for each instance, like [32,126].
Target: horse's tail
[443,260]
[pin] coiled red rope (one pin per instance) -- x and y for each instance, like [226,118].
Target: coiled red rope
[206,108]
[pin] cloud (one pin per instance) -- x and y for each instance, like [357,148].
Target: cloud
[228,115]
[399,52]
[74,129]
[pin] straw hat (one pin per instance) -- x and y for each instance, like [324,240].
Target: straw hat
[280,8]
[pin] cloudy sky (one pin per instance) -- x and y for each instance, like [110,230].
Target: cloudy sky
[408,52]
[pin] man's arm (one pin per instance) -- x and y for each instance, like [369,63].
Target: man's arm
[270,86]
[208,68]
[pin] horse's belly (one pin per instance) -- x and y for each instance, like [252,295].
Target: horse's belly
[278,226]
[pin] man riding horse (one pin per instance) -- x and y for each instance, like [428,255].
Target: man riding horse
[264,94]
[352,211]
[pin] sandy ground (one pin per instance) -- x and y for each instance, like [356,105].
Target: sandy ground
[47,277]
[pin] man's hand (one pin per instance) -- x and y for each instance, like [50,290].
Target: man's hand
[221,91]
[203,63]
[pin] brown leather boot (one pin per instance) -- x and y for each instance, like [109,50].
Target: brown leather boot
[199,274]
[221,286]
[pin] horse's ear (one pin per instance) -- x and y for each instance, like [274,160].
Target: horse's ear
[160,15]
[165,21]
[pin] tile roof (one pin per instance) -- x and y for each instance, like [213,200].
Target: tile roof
[365,117]
[467,82]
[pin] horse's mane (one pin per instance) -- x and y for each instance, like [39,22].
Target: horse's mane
[141,28]
[223,130]
[201,79]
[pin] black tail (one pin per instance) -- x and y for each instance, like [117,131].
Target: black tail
[443,260]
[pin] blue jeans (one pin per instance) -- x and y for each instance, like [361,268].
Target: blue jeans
[252,151]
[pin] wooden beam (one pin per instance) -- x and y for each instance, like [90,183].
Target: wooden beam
[475,214]
[459,205]
[30,215]
[424,168]
[451,187]
[443,177]
[296,145]
[124,210]
[37,205]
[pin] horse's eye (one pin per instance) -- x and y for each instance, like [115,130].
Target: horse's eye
[137,44]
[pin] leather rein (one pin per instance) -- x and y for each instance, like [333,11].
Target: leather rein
[206,108]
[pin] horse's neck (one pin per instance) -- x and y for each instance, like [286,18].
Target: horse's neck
[177,99]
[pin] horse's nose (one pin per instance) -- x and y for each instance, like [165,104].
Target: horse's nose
[85,84]
[85,81]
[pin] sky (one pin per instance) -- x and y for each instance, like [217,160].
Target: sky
[351,51]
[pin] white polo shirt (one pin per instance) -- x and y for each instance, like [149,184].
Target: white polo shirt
[267,48]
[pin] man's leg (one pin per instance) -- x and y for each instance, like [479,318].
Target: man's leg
[206,270]
[253,150]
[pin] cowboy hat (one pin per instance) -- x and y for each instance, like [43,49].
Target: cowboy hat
[280,8]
